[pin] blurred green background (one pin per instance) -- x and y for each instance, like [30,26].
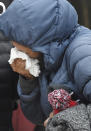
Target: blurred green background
[83,8]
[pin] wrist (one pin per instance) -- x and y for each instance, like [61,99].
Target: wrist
[27,85]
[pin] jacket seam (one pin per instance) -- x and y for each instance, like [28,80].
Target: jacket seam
[57,17]
[57,12]
[84,86]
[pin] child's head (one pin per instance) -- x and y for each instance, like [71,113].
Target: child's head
[4,5]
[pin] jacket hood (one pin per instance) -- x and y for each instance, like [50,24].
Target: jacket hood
[36,23]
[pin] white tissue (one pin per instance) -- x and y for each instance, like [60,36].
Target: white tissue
[31,64]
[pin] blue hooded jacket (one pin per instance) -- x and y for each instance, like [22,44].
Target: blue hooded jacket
[51,27]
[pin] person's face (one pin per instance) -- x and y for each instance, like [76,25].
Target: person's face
[27,50]
[19,65]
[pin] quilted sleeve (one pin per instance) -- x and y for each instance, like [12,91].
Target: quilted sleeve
[79,62]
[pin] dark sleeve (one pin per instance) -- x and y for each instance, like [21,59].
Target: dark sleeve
[27,85]
[29,93]
[2,37]
[15,78]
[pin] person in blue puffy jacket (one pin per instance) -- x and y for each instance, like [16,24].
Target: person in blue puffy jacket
[51,28]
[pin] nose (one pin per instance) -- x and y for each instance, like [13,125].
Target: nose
[2,8]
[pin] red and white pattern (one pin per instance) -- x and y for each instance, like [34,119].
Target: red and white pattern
[60,100]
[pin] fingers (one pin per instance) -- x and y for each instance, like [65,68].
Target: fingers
[19,66]
[46,121]
[51,115]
